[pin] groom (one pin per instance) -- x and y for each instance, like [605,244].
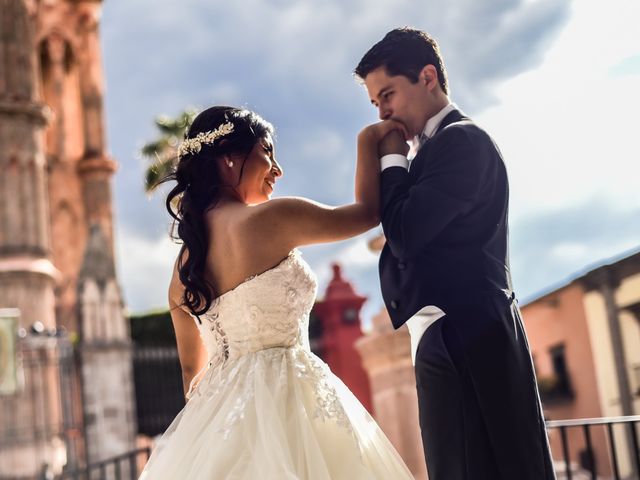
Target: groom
[444,272]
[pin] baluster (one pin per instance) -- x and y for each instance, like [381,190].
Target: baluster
[592,458]
[636,447]
[614,456]
[565,452]
[133,469]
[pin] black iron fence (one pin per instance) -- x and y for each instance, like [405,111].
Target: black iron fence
[158,385]
[122,467]
[126,466]
[596,448]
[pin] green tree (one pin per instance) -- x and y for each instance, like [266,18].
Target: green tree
[162,152]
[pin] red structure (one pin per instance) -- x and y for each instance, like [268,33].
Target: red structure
[339,315]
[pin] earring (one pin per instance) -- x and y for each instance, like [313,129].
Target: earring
[229,163]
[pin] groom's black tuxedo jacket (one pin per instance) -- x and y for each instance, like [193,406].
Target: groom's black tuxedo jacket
[445,221]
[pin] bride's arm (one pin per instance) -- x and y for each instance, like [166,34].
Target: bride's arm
[191,351]
[367,182]
[295,221]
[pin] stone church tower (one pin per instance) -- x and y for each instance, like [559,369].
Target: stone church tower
[80,170]
[26,268]
[56,219]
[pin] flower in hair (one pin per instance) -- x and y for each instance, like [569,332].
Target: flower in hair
[193,145]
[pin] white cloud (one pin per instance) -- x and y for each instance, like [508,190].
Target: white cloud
[226,93]
[356,253]
[144,269]
[569,251]
[568,129]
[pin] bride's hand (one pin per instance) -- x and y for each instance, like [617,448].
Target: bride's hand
[373,134]
[393,142]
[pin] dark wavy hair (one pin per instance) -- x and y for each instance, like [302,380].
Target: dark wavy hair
[198,188]
[404,51]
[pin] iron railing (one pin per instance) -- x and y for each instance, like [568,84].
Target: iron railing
[627,427]
[158,388]
[121,467]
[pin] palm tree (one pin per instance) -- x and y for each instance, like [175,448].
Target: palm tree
[162,152]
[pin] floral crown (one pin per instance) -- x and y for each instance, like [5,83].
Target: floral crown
[193,145]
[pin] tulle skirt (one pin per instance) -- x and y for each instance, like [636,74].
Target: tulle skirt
[279,414]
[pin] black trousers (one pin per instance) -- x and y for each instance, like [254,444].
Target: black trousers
[480,412]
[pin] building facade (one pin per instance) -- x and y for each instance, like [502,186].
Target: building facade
[585,341]
[56,238]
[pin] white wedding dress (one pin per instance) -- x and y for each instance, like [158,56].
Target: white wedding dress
[266,407]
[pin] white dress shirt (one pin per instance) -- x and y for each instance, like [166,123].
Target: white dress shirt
[426,316]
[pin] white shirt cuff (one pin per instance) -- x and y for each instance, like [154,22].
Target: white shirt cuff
[394,160]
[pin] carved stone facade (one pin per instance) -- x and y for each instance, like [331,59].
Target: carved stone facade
[68,48]
[26,268]
[106,355]
[56,218]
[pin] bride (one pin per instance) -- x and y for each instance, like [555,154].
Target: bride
[260,404]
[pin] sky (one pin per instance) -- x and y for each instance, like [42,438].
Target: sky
[554,82]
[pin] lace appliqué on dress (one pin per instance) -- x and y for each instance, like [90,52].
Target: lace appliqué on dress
[328,405]
[218,332]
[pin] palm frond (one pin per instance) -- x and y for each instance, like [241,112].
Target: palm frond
[158,172]
[153,149]
[162,152]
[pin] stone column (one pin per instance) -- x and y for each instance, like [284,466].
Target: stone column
[55,47]
[27,275]
[26,271]
[91,78]
[606,280]
[95,168]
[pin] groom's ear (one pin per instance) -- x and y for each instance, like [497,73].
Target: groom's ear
[428,76]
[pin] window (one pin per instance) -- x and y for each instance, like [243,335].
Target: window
[636,377]
[560,370]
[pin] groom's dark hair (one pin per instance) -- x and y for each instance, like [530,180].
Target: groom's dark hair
[404,51]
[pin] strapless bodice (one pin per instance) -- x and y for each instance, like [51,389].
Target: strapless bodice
[265,311]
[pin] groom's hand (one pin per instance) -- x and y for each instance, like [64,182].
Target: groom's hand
[393,142]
